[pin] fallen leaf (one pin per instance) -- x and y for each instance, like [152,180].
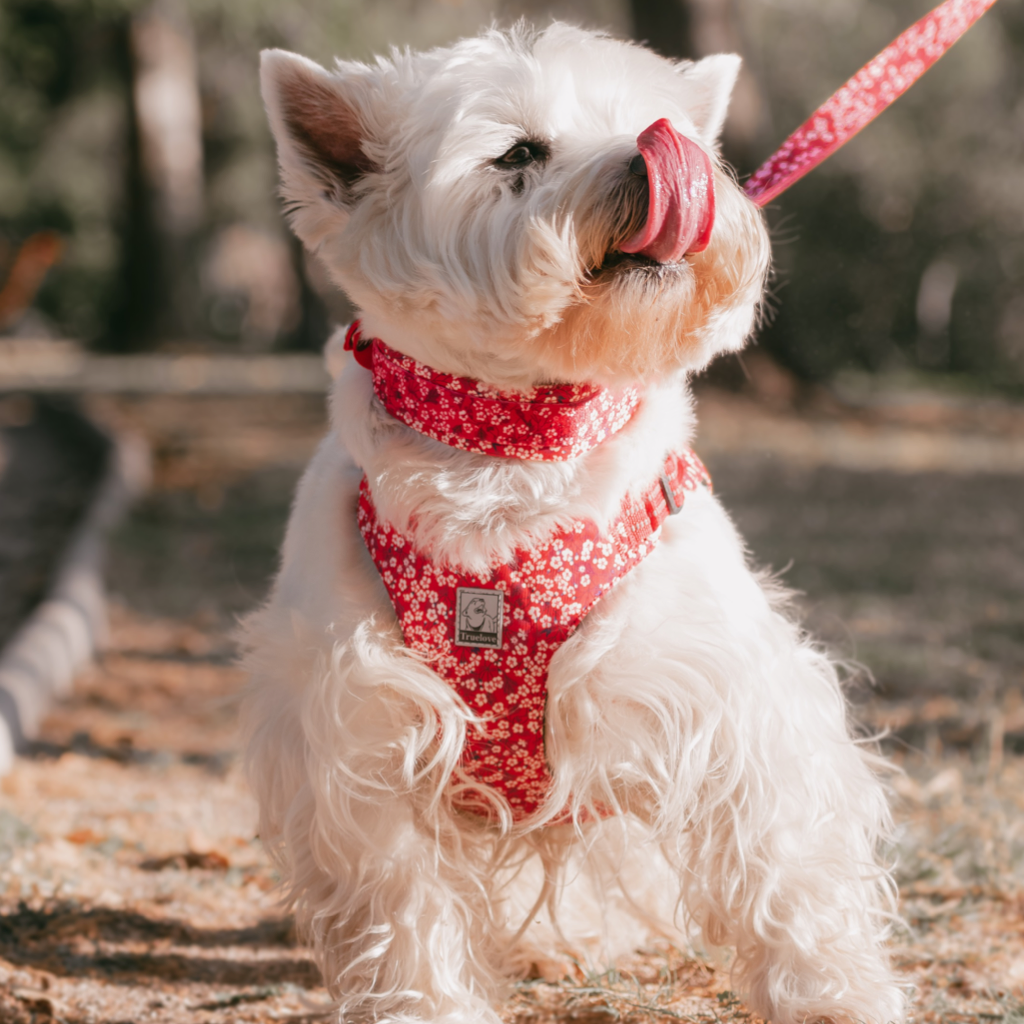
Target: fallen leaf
[84,837]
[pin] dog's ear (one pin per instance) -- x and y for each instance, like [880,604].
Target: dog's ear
[319,138]
[708,84]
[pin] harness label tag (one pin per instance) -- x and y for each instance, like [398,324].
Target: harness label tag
[478,617]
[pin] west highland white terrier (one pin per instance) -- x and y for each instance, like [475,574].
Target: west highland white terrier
[517,697]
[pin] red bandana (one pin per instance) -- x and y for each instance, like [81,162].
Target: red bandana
[492,637]
[552,423]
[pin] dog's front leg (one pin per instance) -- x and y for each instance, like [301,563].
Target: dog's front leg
[390,884]
[781,858]
[400,935]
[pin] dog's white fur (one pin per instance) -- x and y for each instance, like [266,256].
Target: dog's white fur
[688,700]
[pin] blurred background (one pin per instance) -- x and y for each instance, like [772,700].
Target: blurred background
[137,179]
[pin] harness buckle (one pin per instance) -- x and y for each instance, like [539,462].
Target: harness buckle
[673,507]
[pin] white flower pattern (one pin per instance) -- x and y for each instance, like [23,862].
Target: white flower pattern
[554,422]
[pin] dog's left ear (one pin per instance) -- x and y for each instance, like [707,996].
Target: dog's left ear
[708,84]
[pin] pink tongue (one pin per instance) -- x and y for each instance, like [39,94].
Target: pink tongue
[681,186]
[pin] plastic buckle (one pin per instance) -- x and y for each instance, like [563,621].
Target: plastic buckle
[670,498]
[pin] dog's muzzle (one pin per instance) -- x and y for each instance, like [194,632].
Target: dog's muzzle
[680,195]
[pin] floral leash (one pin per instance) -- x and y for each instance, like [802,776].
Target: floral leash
[876,86]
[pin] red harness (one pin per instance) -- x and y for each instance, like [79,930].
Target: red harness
[492,637]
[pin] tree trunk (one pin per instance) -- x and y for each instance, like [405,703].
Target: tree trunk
[165,181]
[666,26]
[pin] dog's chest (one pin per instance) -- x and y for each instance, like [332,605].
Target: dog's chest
[492,637]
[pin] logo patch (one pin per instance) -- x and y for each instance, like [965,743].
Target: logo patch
[478,617]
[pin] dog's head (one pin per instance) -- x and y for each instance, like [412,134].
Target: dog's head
[475,203]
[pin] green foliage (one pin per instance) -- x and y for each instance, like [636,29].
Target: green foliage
[66,132]
[62,125]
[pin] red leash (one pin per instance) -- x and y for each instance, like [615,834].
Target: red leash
[876,86]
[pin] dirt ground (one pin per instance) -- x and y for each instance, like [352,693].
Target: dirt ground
[132,887]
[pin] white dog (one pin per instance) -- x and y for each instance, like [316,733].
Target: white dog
[507,707]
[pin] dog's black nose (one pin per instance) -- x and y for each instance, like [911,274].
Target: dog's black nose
[638,167]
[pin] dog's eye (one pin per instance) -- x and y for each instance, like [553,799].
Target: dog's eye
[522,153]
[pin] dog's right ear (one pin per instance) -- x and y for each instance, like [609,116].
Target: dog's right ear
[319,138]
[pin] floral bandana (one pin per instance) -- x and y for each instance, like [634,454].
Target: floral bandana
[492,637]
[552,423]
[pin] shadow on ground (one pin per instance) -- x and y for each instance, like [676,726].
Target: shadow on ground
[919,576]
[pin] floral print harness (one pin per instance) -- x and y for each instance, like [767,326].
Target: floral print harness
[492,637]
